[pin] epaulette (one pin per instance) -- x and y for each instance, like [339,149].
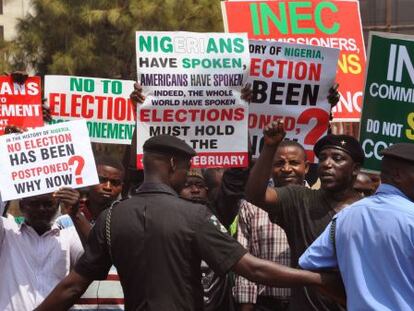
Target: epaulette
[116,202]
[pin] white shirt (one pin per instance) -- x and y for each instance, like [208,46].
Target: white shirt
[32,265]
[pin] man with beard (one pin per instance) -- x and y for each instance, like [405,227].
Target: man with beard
[36,255]
[304,213]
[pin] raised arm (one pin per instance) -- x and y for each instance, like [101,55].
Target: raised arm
[257,191]
[129,159]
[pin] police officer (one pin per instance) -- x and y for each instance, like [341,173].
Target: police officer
[372,241]
[157,240]
[301,212]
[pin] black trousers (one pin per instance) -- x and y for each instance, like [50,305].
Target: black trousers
[266,303]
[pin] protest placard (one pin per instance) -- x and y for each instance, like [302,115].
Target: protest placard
[291,83]
[45,159]
[104,103]
[20,104]
[388,114]
[192,83]
[335,24]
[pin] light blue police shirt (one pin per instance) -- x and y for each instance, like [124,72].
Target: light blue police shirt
[374,251]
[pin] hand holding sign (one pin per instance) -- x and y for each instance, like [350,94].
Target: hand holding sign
[247,92]
[136,96]
[68,197]
[19,77]
[334,96]
[12,129]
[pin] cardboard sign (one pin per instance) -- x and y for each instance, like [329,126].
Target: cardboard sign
[335,24]
[20,104]
[388,114]
[291,83]
[45,159]
[104,103]
[192,83]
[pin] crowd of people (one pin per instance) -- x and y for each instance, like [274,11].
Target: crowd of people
[255,238]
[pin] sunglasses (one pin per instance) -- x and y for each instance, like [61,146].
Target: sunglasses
[114,182]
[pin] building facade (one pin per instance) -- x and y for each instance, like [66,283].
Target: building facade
[10,12]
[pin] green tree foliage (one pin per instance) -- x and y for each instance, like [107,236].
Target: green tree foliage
[96,37]
[6,48]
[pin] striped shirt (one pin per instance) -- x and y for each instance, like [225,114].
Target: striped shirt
[265,240]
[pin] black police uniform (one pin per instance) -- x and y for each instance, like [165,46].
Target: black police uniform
[158,241]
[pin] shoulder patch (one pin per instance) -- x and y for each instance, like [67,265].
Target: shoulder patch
[213,219]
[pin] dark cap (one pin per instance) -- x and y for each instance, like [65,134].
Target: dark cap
[402,151]
[195,172]
[342,142]
[167,144]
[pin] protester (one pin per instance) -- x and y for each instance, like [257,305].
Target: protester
[100,196]
[372,241]
[195,188]
[303,213]
[20,77]
[105,294]
[266,240]
[157,241]
[217,289]
[35,256]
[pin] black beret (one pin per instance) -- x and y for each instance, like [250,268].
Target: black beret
[167,144]
[343,142]
[402,151]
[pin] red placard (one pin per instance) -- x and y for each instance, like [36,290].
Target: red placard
[20,104]
[335,24]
